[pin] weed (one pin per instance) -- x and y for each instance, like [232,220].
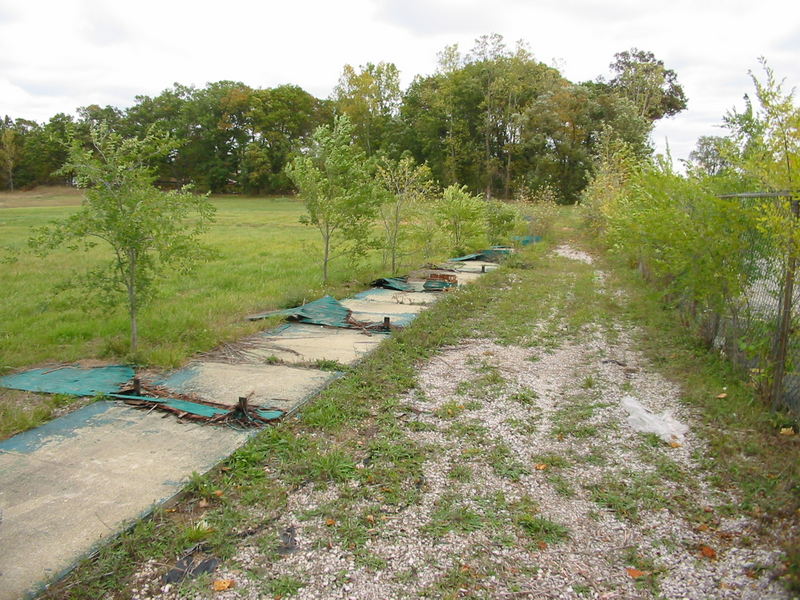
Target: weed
[282,586]
[525,396]
[629,494]
[562,485]
[449,515]
[326,364]
[460,473]
[501,460]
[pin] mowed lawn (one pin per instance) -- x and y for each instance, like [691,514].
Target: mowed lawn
[265,259]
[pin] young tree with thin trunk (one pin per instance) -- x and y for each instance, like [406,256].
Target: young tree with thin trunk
[334,182]
[406,185]
[145,229]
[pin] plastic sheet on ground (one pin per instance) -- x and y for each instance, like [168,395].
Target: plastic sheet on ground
[75,381]
[396,283]
[325,311]
[526,240]
[643,420]
[493,254]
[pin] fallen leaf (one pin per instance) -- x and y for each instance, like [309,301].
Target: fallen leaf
[751,574]
[722,396]
[218,493]
[634,573]
[702,527]
[787,431]
[540,466]
[542,545]
[203,503]
[225,469]
[708,551]
[220,585]
[674,444]
[370,518]
[330,522]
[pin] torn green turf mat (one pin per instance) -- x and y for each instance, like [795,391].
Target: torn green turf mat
[325,311]
[493,254]
[195,408]
[393,283]
[435,285]
[75,381]
[526,240]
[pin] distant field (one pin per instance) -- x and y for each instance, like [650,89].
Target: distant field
[266,259]
[41,196]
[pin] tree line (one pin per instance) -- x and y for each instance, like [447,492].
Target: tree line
[493,119]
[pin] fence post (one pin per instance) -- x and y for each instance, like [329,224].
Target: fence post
[781,344]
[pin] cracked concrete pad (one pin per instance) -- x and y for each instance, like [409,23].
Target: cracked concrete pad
[301,343]
[275,386]
[76,481]
[398,297]
[374,312]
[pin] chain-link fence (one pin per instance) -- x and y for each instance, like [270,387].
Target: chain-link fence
[759,330]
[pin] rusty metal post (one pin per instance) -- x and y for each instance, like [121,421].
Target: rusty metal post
[781,344]
[137,387]
[387,325]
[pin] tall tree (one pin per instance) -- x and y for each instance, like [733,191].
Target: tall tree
[645,81]
[370,98]
[9,152]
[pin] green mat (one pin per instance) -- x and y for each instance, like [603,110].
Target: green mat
[75,381]
[325,311]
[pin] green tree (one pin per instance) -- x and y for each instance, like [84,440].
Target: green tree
[648,84]
[371,100]
[335,184]
[769,142]
[501,220]
[460,216]
[711,155]
[145,229]
[407,185]
[9,152]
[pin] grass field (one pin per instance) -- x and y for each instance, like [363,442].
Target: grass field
[265,259]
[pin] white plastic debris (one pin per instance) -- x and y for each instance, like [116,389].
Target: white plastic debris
[643,420]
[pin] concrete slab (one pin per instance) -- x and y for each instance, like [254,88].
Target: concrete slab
[398,297]
[74,482]
[299,343]
[473,266]
[374,312]
[277,386]
[465,277]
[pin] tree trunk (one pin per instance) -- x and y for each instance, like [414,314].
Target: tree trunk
[133,308]
[326,255]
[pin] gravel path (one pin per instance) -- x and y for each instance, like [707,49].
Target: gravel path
[534,486]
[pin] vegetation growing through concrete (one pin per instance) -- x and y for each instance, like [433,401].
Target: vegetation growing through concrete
[354,467]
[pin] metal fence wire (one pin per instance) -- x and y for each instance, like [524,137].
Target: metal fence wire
[760,329]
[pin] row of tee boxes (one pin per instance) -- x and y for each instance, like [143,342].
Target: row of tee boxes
[265,376]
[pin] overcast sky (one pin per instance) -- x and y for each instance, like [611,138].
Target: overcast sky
[57,55]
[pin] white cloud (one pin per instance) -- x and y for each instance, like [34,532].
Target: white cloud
[56,55]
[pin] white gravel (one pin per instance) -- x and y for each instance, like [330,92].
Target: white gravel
[497,560]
